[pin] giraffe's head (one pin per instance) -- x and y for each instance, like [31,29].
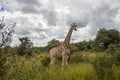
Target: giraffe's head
[74,26]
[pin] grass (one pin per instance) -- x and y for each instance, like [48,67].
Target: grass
[81,71]
[31,68]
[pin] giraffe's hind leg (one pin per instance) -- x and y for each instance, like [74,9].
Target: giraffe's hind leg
[51,63]
[63,61]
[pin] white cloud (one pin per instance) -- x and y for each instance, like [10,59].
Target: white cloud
[48,19]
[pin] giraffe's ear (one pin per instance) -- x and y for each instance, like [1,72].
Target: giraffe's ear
[75,29]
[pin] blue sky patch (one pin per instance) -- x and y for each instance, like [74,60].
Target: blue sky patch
[2,9]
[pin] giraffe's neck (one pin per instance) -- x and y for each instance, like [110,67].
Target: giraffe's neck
[67,39]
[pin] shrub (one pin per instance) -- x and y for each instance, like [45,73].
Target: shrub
[103,67]
[78,57]
[3,66]
[45,61]
[25,46]
[114,50]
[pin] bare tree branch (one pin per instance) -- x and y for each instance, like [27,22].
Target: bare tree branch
[5,33]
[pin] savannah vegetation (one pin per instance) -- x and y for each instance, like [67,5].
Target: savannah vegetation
[97,59]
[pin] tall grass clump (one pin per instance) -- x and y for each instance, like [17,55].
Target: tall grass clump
[103,67]
[78,57]
[3,67]
[80,71]
[114,50]
[45,61]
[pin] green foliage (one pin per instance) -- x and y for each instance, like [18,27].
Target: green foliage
[81,71]
[3,67]
[78,57]
[103,67]
[24,68]
[9,50]
[114,50]
[25,46]
[74,47]
[81,46]
[85,45]
[45,61]
[39,49]
[51,44]
[106,37]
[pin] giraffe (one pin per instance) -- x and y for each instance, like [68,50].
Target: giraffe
[62,49]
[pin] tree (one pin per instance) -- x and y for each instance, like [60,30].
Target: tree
[85,45]
[74,47]
[5,33]
[114,36]
[52,43]
[25,46]
[106,37]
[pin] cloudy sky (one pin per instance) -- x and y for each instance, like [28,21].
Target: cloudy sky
[43,20]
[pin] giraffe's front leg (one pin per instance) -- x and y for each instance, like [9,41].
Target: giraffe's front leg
[51,63]
[66,59]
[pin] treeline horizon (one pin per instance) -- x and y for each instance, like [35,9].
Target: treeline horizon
[71,42]
[105,39]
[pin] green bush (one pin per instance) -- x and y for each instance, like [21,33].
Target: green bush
[114,50]
[103,67]
[25,48]
[78,57]
[45,61]
[4,67]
